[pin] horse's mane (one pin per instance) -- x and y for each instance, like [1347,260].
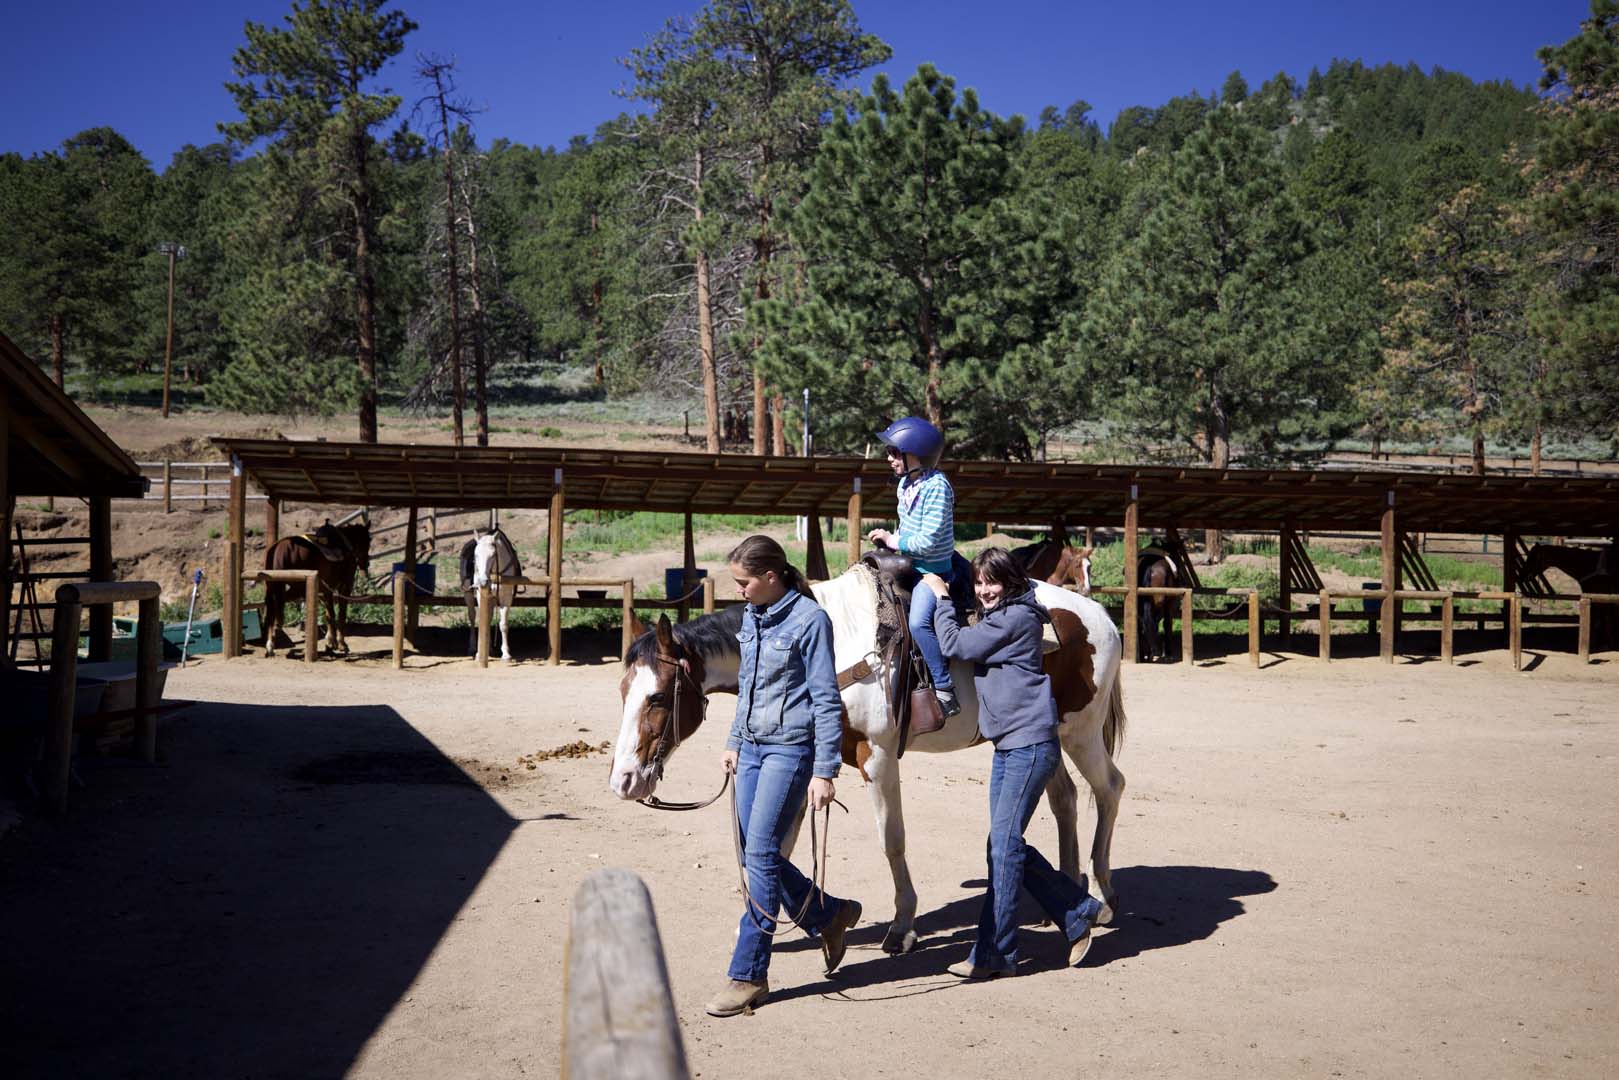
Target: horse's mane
[850,600]
[706,635]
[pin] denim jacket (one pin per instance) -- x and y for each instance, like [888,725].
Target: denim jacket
[787,683]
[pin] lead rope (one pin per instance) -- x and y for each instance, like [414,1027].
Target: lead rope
[818,842]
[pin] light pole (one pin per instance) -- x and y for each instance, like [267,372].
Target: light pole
[173,251]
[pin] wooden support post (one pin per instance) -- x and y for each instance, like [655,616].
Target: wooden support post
[1284,551]
[485,605]
[399,620]
[1509,578]
[412,603]
[855,536]
[815,567]
[688,573]
[1447,629]
[1131,541]
[236,517]
[232,593]
[1389,611]
[168,487]
[1326,625]
[1516,629]
[553,595]
[1186,627]
[708,596]
[62,689]
[311,618]
[272,522]
[1254,627]
[1585,629]
[625,641]
[618,1012]
[148,653]
[100,616]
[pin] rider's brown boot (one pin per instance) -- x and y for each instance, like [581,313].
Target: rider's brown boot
[738,996]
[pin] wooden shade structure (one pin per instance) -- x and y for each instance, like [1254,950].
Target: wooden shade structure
[1290,500]
[49,447]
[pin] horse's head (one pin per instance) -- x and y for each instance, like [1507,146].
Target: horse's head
[358,536]
[663,704]
[1076,569]
[484,562]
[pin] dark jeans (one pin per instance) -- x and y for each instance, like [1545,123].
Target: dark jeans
[1017,780]
[927,639]
[772,784]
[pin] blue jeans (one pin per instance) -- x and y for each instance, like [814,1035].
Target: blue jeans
[923,601]
[1017,779]
[772,784]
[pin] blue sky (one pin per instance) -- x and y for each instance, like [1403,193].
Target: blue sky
[548,69]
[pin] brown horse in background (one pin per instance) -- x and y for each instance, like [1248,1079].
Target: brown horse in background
[1594,570]
[1155,570]
[335,552]
[1053,560]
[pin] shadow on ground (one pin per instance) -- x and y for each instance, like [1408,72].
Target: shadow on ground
[245,909]
[1162,907]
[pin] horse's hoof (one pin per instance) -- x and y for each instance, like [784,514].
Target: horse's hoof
[896,943]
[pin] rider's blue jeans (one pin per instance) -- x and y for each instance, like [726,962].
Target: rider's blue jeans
[923,601]
[1017,779]
[772,785]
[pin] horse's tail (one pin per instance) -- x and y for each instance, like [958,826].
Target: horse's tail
[1113,724]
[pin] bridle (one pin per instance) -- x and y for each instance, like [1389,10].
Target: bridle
[669,737]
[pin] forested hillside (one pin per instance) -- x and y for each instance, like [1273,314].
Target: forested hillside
[1384,254]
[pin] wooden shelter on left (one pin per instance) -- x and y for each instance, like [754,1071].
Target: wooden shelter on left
[50,449]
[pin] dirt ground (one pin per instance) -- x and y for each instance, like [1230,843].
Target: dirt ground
[1325,870]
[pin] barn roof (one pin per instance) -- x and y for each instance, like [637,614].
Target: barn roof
[52,447]
[444,476]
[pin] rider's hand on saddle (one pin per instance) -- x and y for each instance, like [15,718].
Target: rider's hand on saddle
[936,583]
[820,793]
[728,761]
[883,538]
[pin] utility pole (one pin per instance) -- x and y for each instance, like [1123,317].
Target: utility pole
[173,251]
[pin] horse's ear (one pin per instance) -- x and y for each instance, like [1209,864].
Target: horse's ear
[637,627]
[666,633]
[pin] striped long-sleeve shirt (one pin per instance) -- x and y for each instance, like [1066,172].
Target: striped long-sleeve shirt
[927,521]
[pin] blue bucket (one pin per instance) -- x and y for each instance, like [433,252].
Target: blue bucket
[673,577]
[426,575]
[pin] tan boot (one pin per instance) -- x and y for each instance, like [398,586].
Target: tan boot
[1078,948]
[833,942]
[738,996]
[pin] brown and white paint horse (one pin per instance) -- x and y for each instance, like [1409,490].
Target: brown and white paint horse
[670,671]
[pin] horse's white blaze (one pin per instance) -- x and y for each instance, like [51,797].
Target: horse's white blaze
[631,777]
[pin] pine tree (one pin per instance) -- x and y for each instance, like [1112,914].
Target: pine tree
[1201,327]
[920,268]
[306,89]
[1576,205]
[1458,335]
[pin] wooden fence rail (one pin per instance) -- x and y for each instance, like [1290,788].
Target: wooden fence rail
[618,1019]
[1253,615]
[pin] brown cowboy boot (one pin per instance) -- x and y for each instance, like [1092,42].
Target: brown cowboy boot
[737,997]
[833,942]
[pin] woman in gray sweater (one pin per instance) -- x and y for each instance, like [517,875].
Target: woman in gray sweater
[1016,711]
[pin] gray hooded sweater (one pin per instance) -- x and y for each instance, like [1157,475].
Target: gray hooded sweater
[1015,706]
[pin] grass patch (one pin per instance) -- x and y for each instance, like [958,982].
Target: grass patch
[617,532]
